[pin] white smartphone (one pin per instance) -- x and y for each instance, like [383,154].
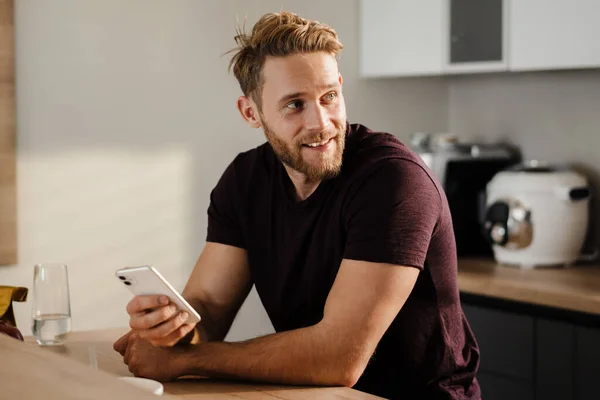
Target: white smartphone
[146,280]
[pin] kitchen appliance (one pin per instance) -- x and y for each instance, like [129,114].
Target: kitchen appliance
[464,170]
[537,215]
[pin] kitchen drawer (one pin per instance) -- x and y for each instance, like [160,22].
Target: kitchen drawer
[587,357]
[501,388]
[554,360]
[506,341]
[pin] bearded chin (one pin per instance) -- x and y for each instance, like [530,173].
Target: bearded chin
[325,168]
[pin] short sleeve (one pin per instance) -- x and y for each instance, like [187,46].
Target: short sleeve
[393,215]
[224,225]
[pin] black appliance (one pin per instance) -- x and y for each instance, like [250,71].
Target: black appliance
[464,170]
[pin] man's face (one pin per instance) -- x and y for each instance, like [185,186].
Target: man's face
[303,113]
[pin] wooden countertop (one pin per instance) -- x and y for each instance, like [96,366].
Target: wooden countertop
[28,371]
[575,288]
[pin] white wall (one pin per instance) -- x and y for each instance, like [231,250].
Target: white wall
[126,118]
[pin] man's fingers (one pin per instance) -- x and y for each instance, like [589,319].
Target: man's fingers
[174,336]
[178,334]
[141,304]
[152,319]
[165,328]
[126,354]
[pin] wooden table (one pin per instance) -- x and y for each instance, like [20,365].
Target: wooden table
[28,371]
[576,288]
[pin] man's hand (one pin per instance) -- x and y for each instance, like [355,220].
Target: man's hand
[121,344]
[147,361]
[157,321]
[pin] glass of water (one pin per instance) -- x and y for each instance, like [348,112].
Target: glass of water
[51,306]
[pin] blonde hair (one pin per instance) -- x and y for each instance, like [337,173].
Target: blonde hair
[279,35]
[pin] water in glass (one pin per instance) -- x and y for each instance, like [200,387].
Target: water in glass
[51,308]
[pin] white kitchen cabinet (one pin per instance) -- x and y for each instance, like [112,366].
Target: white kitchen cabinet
[554,34]
[441,37]
[434,37]
[401,37]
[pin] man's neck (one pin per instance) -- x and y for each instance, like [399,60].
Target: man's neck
[303,187]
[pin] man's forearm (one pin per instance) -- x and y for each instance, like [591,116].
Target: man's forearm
[308,356]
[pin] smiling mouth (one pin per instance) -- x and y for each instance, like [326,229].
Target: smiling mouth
[317,144]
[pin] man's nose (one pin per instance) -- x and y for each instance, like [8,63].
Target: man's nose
[317,118]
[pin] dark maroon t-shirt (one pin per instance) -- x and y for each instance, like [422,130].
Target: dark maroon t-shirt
[385,206]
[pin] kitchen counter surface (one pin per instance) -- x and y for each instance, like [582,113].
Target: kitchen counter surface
[576,288]
[87,367]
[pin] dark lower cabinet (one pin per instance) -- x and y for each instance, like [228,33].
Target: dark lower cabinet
[587,363]
[524,356]
[505,340]
[554,360]
[494,387]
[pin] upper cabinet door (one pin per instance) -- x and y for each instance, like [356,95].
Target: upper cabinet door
[554,34]
[402,37]
[476,35]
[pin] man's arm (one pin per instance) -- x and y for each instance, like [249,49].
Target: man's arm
[218,285]
[363,301]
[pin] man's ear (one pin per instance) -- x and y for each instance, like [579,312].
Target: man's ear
[249,111]
[340,79]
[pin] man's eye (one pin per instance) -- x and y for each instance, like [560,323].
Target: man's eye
[330,96]
[294,105]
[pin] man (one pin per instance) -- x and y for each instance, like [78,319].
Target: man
[345,233]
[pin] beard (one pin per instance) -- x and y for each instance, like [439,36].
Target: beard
[326,166]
